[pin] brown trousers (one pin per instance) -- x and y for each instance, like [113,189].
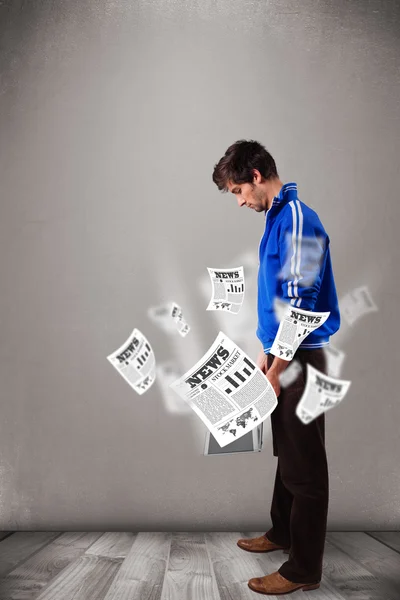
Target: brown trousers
[299,506]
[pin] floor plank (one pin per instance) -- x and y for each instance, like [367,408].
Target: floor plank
[19,546]
[79,539]
[114,544]
[26,581]
[86,578]
[183,566]
[375,557]
[4,534]
[141,575]
[352,579]
[189,572]
[390,538]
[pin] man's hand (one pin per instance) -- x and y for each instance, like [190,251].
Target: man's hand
[273,378]
[262,361]
[277,367]
[273,373]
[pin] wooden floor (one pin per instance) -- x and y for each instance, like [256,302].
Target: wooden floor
[184,566]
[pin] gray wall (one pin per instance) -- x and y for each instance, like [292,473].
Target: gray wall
[113,114]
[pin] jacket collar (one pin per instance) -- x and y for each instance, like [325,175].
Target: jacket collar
[287,193]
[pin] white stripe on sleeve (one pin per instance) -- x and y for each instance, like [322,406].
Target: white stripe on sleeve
[293,291]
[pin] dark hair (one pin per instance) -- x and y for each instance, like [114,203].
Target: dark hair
[239,161]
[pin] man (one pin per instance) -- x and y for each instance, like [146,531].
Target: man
[295,266]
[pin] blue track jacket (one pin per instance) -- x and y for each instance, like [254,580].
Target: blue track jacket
[295,266]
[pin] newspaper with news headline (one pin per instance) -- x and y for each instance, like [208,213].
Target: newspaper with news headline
[321,393]
[227,289]
[294,327]
[227,390]
[135,362]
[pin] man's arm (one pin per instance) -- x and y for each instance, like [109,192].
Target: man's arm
[262,361]
[277,367]
[303,251]
[303,244]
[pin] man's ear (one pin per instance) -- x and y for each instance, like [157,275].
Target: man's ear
[255,175]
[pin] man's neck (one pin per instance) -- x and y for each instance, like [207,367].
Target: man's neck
[273,189]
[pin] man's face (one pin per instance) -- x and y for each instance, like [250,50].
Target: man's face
[251,195]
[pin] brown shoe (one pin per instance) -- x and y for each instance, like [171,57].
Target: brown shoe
[259,544]
[276,584]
